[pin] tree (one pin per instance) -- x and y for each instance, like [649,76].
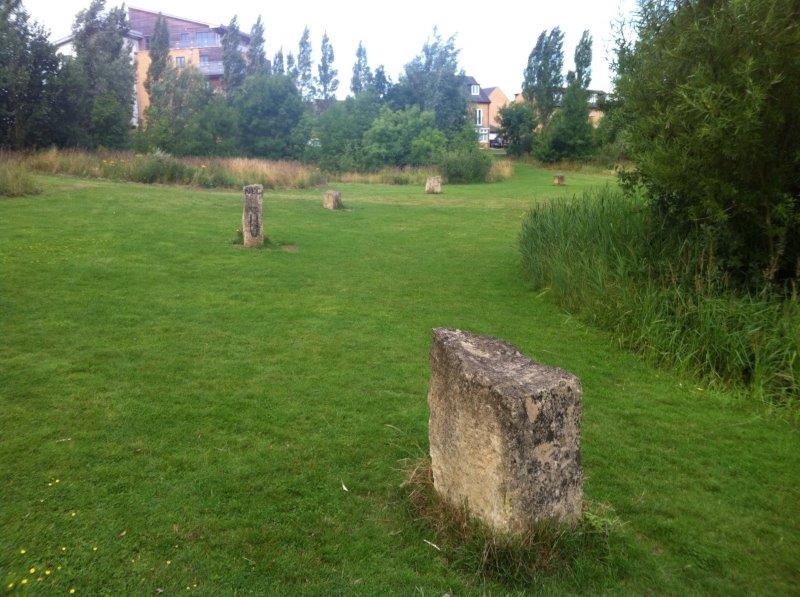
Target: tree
[517,123]
[568,135]
[433,82]
[233,63]
[583,60]
[277,63]
[291,68]
[257,63]
[380,82]
[327,81]
[362,76]
[403,138]
[103,55]
[305,80]
[159,53]
[341,129]
[543,74]
[28,73]
[269,109]
[709,96]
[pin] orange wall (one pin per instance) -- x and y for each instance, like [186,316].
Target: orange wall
[499,100]
[191,56]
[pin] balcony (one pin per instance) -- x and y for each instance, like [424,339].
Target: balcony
[211,69]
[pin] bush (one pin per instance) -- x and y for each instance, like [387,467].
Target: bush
[15,181]
[709,97]
[465,166]
[517,122]
[607,259]
[402,138]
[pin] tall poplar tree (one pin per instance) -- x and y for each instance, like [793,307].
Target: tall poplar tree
[327,81]
[305,78]
[362,76]
[257,63]
[159,53]
[233,63]
[543,74]
[277,63]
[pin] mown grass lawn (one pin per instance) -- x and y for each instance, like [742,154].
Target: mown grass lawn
[178,412]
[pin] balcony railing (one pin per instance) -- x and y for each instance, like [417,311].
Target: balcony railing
[211,68]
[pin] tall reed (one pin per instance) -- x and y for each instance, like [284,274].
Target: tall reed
[603,258]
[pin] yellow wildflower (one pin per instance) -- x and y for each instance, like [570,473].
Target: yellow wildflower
[72,591]
[23,550]
[32,570]
[47,572]
[24,581]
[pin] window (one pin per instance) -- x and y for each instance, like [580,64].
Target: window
[186,40]
[180,61]
[204,59]
[206,39]
[484,137]
[478,117]
[475,90]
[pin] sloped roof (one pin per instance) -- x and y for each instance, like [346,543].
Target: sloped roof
[481,98]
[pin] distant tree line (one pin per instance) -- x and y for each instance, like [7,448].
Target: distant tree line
[278,107]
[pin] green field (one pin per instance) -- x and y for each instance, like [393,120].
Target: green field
[179,412]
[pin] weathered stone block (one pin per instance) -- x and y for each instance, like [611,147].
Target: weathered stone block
[559,180]
[253,216]
[504,432]
[433,185]
[332,200]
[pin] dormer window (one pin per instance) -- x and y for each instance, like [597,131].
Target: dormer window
[475,90]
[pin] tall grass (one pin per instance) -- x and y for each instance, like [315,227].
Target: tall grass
[15,180]
[584,554]
[163,168]
[602,257]
[160,167]
[397,176]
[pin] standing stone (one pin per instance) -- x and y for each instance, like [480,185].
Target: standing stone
[332,200]
[253,216]
[559,180]
[433,185]
[504,432]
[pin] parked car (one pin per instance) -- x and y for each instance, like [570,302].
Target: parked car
[496,143]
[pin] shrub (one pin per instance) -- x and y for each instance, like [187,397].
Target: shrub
[15,181]
[402,138]
[607,259]
[465,166]
[708,97]
[517,123]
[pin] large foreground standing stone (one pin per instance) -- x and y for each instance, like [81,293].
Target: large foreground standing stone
[433,185]
[504,432]
[253,216]
[332,200]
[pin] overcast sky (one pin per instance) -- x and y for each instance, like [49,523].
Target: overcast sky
[495,37]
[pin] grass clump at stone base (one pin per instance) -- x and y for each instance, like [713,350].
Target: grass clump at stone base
[603,257]
[16,181]
[583,554]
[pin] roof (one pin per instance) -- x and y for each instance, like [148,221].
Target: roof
[481,98]
[221,29]
[69,38]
